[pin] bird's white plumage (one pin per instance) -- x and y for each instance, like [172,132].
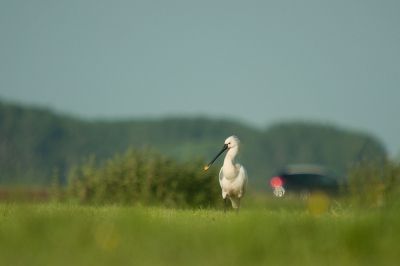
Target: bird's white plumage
[233,176]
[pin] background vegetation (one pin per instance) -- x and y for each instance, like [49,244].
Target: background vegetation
[146,178]
[35,143]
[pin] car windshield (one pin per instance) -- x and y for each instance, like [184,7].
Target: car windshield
[305,179]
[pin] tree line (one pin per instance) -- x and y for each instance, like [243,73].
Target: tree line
[36,142]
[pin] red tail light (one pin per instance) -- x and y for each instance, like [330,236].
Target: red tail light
[276,181]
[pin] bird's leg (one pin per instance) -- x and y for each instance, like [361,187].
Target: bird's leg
[237,210]
[224,205]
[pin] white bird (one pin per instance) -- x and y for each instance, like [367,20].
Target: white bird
[233,176]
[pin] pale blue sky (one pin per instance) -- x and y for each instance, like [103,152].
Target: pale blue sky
[260,62]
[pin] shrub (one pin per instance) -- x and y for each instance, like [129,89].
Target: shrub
[144,177]
[374,184]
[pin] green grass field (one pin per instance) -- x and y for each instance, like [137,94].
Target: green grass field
[266,232]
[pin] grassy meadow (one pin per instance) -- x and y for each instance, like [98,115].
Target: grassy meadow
[267,231]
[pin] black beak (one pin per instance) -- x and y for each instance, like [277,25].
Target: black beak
[209,165]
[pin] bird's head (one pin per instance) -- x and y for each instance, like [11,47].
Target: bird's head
[231,143]
[234,143]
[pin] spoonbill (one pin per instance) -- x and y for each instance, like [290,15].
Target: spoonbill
[232,176]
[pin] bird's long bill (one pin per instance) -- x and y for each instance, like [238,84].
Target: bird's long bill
[209,165]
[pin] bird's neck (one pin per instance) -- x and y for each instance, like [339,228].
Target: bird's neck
[230,156]
[229,168]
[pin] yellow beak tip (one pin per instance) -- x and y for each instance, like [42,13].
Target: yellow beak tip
[206,167]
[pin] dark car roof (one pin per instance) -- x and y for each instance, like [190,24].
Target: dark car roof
[295,169]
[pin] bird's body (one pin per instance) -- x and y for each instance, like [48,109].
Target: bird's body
[233,176]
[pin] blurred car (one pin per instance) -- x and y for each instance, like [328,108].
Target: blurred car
[301,180]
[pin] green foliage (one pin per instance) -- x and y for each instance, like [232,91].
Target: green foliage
[144,177]
[374,184]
